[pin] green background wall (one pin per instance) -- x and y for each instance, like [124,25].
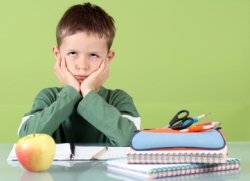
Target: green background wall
[170,55]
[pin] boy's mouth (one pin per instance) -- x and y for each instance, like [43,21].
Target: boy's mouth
[80,78]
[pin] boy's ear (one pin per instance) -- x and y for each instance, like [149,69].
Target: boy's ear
[111,55]
[56,52]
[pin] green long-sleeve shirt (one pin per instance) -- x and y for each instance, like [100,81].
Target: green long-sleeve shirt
[108,116]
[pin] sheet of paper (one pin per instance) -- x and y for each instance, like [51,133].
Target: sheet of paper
[87,152]
[12,154]
[114,153]
[63,153]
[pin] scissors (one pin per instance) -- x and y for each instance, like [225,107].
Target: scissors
[181,120]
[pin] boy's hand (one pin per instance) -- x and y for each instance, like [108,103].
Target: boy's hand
[96,79]
[64,76]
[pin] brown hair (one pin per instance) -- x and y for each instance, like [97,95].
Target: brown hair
[87,18]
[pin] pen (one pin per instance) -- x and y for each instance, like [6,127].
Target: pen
[99,153]
[72,150]
[201,127]
[195,119]
[200,117]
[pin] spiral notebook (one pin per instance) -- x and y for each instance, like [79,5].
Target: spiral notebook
[155,171]
[161,156]
[209,176]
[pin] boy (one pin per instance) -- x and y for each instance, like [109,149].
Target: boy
[83,111]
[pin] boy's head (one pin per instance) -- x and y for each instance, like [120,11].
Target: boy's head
[87,18]
[84,38]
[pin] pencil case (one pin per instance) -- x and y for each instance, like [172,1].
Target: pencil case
[167,138]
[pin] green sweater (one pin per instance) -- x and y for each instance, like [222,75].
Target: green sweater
[103,117]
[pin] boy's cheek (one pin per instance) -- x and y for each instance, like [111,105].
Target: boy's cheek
[69,62]
[70,66]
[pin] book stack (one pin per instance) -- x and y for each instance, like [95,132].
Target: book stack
[154,155]
[156,171]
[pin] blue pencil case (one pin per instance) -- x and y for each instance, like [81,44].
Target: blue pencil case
[167,138]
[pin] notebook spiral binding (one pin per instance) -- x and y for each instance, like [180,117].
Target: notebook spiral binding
[233,164]
[178,156]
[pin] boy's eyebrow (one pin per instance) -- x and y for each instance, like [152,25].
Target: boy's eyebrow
[89,52]
[95,52]
[70,50]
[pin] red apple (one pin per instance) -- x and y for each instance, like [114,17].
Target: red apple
[36,176]
[35,152]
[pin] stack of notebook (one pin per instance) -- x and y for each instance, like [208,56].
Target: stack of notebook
[155,171]
[155,154]
[175,155]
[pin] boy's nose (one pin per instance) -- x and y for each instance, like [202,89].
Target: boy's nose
[82,64]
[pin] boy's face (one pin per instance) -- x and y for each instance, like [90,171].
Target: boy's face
[83,53]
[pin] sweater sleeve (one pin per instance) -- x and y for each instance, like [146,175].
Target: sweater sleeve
[109,118]
[49,110]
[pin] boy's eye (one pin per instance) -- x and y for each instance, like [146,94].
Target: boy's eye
[72,54]
[94,56]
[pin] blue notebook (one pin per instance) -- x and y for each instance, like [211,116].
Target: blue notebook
[154,171]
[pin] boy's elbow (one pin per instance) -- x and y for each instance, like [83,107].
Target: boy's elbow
[23,128]
[124,139]
[22,132]
[20,135]
[123,143]
[120,143]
